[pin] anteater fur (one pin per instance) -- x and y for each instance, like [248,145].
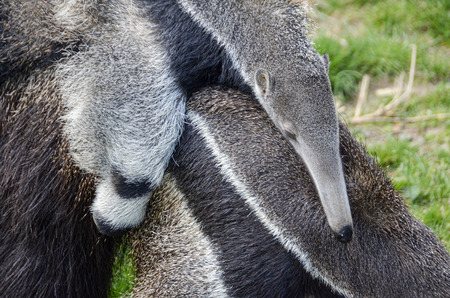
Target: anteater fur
[202,237]
[49,246]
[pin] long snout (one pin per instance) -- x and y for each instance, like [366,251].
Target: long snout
[333,196]
[325,167]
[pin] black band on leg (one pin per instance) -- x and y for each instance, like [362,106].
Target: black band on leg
[131,190]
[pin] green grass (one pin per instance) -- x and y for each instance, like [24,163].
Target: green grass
[368,54]
[123,273]
[424,17]
[437,101]
[423,178]
[417,158]
[375,38]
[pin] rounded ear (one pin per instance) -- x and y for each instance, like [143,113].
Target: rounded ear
[326,60]
[262,81]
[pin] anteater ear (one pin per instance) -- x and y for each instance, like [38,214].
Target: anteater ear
[262,82]
[326,60]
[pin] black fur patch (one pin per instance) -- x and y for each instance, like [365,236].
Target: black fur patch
[132,190]
[197,60]
[105,229]
[49,245]
[20,55]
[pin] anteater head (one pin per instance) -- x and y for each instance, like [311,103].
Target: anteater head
[302,107]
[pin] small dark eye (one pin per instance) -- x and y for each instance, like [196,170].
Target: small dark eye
[289,134]
[288,129]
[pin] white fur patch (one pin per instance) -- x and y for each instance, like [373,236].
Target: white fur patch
[227,169]
[74,15]
[116,212]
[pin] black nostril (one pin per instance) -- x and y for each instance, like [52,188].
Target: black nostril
[345,235]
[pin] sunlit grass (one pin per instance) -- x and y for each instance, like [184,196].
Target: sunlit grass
[422,177]
[410,17]
[123,273]
[375,38]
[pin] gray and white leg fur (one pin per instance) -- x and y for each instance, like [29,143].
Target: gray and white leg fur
[124,115]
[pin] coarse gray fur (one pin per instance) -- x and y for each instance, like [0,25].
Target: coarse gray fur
[204,236]
[177,257]
[124,105]
[125,111]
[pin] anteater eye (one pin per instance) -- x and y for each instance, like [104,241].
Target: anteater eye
[289,134]
[288,130]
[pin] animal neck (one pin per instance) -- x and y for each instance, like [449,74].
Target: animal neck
[232,24]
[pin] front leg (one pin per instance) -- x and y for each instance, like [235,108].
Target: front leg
[137,156]
[141,145]
[124,115]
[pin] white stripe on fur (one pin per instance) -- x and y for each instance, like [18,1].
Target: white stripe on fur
[226,168]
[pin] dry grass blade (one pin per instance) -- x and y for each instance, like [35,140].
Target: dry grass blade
[386,112]
[363,91]
[440,116]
